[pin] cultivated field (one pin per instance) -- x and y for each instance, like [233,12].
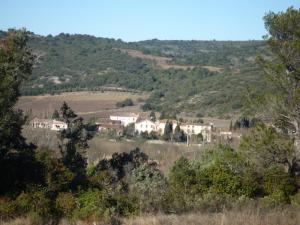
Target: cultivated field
[85,104]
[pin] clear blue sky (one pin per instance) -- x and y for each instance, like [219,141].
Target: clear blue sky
[133,20]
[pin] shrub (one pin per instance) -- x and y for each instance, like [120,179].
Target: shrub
[65,203]
[150,186]
[126,102]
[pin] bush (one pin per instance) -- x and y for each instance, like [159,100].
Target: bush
[150,186]
[8,209]
[126,102]
[35,201]
[65,203]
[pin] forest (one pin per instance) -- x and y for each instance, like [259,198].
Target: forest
[81,62]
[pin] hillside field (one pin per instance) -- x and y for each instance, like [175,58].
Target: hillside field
[85,104]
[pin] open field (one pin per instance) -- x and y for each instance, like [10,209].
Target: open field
[165,153]
[85,104]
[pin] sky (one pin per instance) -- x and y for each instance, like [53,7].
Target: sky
[135,20]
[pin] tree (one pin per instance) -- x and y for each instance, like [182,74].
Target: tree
[283,70]
[73,143]
[168,131]
[126,102]
[152,116]
[16,156]
[179,134]
[150,185]
[67,113]
[55,114]
[265,147]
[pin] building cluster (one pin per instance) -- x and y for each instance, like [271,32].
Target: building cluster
[55,125]
[142,125]
[118,122]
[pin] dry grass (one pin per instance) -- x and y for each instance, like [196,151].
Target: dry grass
[85,104]
[252,217]
[234,217]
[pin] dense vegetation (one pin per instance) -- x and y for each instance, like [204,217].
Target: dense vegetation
[264,168]
[82,62]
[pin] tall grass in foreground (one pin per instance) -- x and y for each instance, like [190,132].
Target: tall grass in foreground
[242,216]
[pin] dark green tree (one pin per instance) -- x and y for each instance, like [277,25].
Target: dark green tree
[73,144]
[17,164]
[168,131]
[55,114]
[179,134]
[66,113]
[152,116]
[282,105]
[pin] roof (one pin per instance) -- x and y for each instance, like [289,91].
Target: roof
[58,122]
[125,114]
[37,120]
[140,120]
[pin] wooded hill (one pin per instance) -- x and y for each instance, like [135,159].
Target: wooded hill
[195,77]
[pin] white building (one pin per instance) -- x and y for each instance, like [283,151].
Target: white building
[48,124]
[162,123]
[195,129]
[125,118]
[145,125]
[58,125]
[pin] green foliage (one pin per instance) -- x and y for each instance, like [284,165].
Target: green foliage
[277,182]
[16,156]
[94,203]
[168,131]
[283,71]
[56,175]
[264,146]
[179,135]
[35,201]
[150,186]
[55,115]
[121,164]
[73,142]
[126,102]
[65,203]
[81,62]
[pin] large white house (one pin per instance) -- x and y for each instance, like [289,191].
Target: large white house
[196,129]
[48,124]
[125,118]
[162,123]
[145,125]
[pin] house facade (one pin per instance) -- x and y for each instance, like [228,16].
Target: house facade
[145,125]
[195,129]
[125,118]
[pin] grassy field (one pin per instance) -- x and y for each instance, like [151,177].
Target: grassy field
[232,217]
[85,104]
[243,216]
[100,148]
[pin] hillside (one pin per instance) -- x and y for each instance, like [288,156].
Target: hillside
[188,77]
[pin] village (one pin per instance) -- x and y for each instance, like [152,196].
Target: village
[129,124]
